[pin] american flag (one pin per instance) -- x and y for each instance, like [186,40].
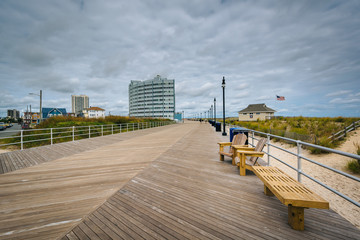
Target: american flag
[280,98]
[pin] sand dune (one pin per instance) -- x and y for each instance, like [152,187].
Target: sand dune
[346,186]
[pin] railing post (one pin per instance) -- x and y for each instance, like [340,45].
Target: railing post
[299,160]
[252,138]
[89,132]
[51,135]
[120,127]
[22,139]
[344,131]
[102,131]
[268,149]
[73,132]
[112,129]
[127,127]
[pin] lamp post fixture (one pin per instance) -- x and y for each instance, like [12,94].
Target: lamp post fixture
[215,110]
[223,87]
[40,95]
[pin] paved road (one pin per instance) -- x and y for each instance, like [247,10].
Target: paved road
[10,131]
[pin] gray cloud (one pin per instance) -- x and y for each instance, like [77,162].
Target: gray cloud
[307,51]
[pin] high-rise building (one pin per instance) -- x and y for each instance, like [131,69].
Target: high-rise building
[152,98]
[79,103]
[13,113]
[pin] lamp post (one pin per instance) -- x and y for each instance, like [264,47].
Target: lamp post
[40,95]
[215,110]
[183,116]
[223,87]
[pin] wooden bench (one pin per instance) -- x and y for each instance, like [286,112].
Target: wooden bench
[238,140]
[290,192]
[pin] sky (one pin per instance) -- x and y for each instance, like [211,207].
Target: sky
[307,51]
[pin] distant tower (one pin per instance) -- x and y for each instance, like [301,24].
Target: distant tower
[79,103]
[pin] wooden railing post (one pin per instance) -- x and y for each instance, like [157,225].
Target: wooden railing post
[89,132]
[51,135]
[102,131]
[73,133]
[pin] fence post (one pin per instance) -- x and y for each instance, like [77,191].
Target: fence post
[102,132]
[89,132]
[354,126]
[51,136]
[73,132]
[22,140]
[120,127]
[127,127]
[268,148]
[252,138]
[112,129]
[299,160]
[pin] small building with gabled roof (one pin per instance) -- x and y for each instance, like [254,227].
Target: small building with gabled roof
[253,112]
[53,112]
[93,112]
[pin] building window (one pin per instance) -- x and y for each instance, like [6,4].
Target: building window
[244,113]
[251,115]
[257,113]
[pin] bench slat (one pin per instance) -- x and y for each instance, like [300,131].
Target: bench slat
[288,190]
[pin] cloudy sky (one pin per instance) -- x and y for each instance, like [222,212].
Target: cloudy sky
[307,51]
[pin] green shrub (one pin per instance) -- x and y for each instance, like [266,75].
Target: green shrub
[354,166]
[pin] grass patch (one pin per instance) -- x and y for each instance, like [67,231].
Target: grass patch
[307,129]
[354,165]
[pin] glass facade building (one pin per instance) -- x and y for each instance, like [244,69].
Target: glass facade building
[152,98]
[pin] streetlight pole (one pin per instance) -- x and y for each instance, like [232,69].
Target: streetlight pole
[215,110]
[40,95]
[183,116]
[223,87]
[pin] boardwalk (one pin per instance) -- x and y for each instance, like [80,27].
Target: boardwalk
[164,184]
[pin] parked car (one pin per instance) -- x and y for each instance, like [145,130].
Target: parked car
[2,126]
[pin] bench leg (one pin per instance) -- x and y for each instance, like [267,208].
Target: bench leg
[221,156]
[242,164]
[267,191]
[296,217]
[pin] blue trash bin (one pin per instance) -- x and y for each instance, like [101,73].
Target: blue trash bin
[218,127]
[234,131]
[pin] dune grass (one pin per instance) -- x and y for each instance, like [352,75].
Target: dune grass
[307,129]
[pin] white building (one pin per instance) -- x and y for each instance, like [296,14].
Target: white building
[152,98]
[94,112]
[79,103]
[253,112]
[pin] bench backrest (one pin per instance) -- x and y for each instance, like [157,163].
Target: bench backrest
[239,139]
[258,148]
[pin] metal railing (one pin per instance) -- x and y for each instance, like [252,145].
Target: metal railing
[300,158]
[49,136]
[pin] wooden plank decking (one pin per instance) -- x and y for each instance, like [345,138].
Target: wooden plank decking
[188,194]
[168,184]
[44,201]
[15,160]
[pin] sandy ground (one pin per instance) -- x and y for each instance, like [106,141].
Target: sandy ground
[4,151]
[346,186]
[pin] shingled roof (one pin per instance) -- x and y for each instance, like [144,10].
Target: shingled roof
[257,108]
